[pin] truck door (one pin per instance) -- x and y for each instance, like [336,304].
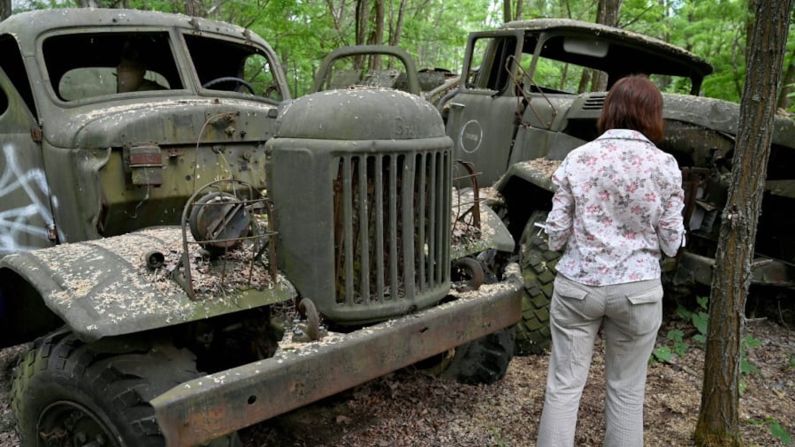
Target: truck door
[482,116]
[25,215]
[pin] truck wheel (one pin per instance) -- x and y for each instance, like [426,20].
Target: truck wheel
[538,264]
[483,361]
[67,392]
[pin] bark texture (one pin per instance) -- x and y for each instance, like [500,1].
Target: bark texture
[194,8]
[5,9]
[607,13]
[397,29]
[718,422]
[511,10]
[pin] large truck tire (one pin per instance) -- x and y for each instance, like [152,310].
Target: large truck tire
[483,361]
[538,264]
[66,392]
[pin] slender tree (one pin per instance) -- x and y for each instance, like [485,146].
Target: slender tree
[511,10]
[194,8]
[607,13]
[718,417]
[377,32]
[5,9]
[396,29]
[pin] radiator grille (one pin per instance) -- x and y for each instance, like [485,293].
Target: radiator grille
[391,226]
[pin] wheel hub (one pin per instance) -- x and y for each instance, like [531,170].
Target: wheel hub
[69,424]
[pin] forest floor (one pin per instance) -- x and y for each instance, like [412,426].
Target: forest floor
[410,408]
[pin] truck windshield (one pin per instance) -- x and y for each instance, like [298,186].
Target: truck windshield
[88,65]
[228,66]
[568,62]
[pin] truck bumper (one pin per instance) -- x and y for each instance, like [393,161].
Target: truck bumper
[695,269]
[215,405]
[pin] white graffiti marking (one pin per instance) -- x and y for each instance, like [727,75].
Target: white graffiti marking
[15,222]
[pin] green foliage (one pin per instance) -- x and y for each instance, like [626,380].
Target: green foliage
[677,338]
[777,430]
[747,343]
[662,354]
[699,318]
[435,31]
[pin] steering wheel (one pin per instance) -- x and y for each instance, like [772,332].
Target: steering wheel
[224,79]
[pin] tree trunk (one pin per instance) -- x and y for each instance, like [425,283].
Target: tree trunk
[5,9]
[718,417]
[335,20]
[362,20]
[394,36]
[518,14]
[506,11]
[585,79]
[377,35]
[194,8]
[607,13]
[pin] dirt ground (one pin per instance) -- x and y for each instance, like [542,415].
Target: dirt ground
[409,408]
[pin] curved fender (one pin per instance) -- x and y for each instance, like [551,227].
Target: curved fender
[466,241]
[102,288]
[537,172]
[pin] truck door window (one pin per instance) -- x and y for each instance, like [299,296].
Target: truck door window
[3,102]
[110,63]
[488,61]
[11,62]
[233,67]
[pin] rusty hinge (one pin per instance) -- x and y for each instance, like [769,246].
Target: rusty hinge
[36,134]
[52,233]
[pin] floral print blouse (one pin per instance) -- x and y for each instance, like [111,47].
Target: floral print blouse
[617,205]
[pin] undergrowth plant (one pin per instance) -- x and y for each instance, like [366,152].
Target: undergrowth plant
[677,344]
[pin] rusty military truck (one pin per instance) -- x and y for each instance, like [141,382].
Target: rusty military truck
[190,251]
[525,102]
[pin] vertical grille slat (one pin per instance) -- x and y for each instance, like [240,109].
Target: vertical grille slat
[447,223]
[347,213]
[379,227]
[432,221]
[440,217]
[407,226]
[364,230]
[391,226]
[393,238]
[421,257]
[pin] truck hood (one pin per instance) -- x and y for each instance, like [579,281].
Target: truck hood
[709,113]
[165,122]
[722,116]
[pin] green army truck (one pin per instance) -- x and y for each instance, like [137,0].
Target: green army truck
[190,251]
[525,102]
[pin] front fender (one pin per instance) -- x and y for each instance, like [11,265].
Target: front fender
[102,288]
[466,240]
[537,172]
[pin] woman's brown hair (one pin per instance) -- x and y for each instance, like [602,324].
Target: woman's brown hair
[634,103]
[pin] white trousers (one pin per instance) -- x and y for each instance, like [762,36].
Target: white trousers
[631,314]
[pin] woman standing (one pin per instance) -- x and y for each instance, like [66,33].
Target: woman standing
[617,208]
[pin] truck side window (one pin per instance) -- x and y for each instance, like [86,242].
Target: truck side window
[3,102]
[224,65]
[487,65]
[11,62]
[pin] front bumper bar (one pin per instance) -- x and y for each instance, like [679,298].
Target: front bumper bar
[213,406]
[695,269]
